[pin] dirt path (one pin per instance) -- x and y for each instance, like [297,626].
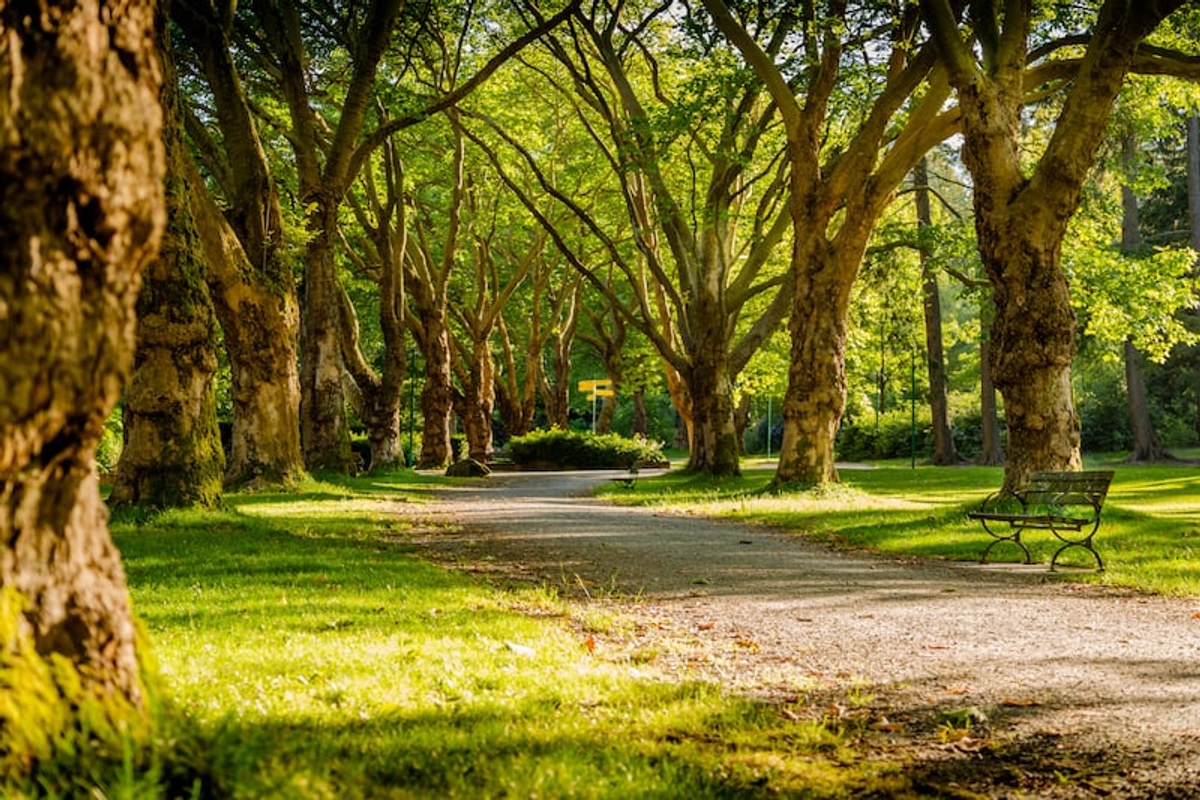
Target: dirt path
[1102,684]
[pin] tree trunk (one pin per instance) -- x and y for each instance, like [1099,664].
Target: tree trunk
[816,391]
[1021,214]
[82,167]
[251,285]
[478,402]
[714,443]
[324,430]
[991,451]
[1193,195]
[1146,446]
[944,452]
[639,426]
[172,455]
[437,399]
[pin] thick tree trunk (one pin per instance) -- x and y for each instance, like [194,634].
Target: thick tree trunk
[1021,215]
[1033,341]
[259,319]
[437,399]
[944,452]
[478,402]
[252,287]
[81,169]
[172,455]
[816,392]
[324,430]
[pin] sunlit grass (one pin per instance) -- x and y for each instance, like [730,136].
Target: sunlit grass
[309,652]
[1149,534]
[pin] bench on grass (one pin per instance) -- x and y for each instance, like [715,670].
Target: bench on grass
[1067,504]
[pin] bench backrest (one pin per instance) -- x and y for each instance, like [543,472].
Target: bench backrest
[1068,488]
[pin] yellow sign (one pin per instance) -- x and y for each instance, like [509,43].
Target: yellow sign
[604,393]
[591,386]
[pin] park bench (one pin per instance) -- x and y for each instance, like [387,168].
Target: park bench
[1067,504]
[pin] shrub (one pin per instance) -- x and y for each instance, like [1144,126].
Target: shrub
[559,449]
[889,437]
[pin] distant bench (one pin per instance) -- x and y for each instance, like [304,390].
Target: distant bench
[1067,504]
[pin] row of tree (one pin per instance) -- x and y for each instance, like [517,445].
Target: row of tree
[493,180]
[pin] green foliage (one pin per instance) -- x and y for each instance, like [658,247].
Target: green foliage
[580,450]
[888,436]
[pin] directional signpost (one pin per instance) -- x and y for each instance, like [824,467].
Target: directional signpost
[596,389]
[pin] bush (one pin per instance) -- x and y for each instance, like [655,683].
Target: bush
[559,449]
[890,437]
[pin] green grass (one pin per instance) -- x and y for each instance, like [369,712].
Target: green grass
[308,652]
[1149,534]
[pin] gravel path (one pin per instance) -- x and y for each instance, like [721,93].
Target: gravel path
[1109,681]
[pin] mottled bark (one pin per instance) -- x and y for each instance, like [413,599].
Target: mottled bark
[259,319]
[478,400]
[437,397]
[324,427]
[172,455]
[1021,215]
[816,395]
[834,206]
[81,214]
[251,284]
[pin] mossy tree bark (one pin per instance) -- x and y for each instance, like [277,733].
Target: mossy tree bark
[172,455]
[82,212]
[249,279]
[1021,218]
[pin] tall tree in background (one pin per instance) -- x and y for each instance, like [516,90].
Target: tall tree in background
[841,178]
[944,452]
[172,455]
[1021,216]
[82,212]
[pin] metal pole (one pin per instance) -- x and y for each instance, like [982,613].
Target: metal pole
[411,458]
[768,427]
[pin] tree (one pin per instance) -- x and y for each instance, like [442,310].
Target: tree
[690,160]
[847,154]
[944,452]
[172,455]
[1021,216]
[249,276]
[81,166]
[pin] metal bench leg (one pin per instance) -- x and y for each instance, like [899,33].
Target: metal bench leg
[1013,535]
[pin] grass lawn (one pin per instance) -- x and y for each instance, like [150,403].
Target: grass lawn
[307,652]
[1149,534]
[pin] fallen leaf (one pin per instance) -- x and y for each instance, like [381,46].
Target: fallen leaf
[706,626]
[1019,702]
[937,647]
[590,643]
